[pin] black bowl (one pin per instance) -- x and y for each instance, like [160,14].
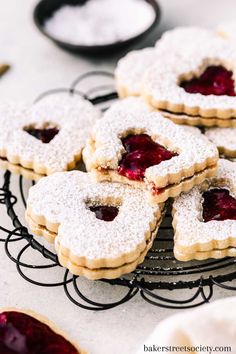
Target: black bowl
[45,8]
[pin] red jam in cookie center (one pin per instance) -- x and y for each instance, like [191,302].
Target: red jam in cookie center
[23,334]
[215,80]
[141,152]
[104,212]
[45,135]
[218,204]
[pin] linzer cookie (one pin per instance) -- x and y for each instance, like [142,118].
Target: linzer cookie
[100,230]
[27,332]
[204,220]
[201,88]
[224,139]
[46,137]
[149,152]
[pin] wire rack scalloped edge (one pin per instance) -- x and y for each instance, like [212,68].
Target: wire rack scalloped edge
[146,280]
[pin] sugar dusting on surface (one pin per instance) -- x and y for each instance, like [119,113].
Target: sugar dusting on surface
[100,22]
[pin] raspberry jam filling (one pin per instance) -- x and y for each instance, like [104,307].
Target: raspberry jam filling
[215,80]
[104,212]
[45,134]
[218,204]
[141,152]
[23,334]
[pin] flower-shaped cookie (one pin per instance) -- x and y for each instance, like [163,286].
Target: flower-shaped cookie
[201,86]
[100,230]
[48,136]
[28,332]
[205,219]
[224,139]
[143,149]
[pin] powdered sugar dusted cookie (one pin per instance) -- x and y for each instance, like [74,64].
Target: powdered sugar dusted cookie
[205,219]
[202,84]
[130,70]
[48,136]
[224,139]
[99,229]
[149,152]
[29,332]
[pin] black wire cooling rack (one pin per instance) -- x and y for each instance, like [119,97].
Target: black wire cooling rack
[158,280]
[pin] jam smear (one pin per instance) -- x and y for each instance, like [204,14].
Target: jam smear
[156,191]
[23,334]
[104,212]
[45,135]
[141,152]
[218,204]
[215,80]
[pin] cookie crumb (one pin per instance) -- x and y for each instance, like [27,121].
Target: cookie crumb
[4,68]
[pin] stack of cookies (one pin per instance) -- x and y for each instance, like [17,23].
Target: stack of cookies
[189,77]
[104,221]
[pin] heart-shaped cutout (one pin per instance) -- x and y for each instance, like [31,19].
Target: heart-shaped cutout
[45,134]
[215,80]
[105,212]
[21,333]
[218,204]
[141,152]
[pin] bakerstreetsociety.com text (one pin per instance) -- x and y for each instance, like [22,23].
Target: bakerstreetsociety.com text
[186,349]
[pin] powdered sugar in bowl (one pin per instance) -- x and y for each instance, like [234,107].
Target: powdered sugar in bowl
[96,26]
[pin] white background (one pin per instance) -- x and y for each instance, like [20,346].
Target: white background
[38,65]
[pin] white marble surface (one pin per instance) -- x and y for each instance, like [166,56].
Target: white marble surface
[38,65]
